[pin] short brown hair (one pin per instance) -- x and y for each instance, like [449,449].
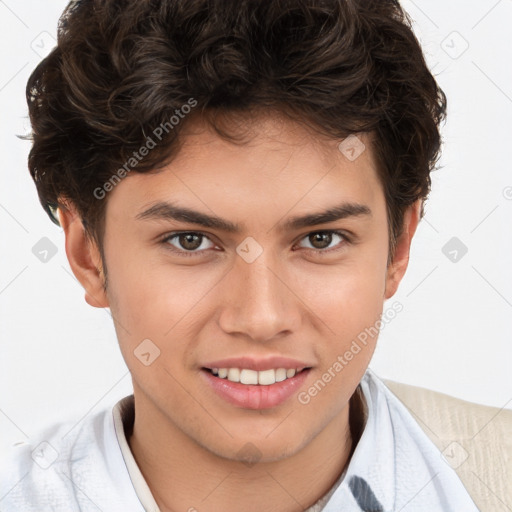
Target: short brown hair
[123,67]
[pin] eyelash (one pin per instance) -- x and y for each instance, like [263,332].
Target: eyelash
[165,240]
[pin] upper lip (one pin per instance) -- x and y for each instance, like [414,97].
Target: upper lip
[257,364]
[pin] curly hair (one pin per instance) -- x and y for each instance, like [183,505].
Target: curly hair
[122,68]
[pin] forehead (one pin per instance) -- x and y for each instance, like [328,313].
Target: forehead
[277,163]
[275,135]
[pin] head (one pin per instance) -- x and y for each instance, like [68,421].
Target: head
[259,116]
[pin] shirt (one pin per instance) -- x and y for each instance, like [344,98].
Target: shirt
[90,467]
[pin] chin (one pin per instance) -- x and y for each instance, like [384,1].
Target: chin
[253,450]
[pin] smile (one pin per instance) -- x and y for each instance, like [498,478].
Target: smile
[262,378]
[255,389]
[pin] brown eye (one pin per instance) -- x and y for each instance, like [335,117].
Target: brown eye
[321,241]
[188,243]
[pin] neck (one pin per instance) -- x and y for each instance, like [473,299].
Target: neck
[184,475]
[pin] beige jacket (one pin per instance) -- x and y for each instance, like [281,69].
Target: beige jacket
[476,441]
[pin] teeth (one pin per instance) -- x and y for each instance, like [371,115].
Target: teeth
[280,374]
[263,378]
[267,377]
[234,375]
[248,376]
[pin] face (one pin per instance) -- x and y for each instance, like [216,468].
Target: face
[275,285]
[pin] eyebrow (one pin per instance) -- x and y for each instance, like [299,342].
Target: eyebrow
[170,211]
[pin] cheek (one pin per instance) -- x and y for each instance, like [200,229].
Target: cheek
[155,300]
[346,296]
[136,296]
[349,303]
[349,306]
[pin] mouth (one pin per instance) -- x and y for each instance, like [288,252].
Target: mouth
[255,389]
[250,377]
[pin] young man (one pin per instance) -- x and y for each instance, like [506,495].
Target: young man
[239,182]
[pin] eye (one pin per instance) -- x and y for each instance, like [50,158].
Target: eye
[321,240]
[187,243]
[191,243]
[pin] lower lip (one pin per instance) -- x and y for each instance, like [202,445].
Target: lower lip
[250,396]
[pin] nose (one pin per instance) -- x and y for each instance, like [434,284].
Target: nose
[258,301]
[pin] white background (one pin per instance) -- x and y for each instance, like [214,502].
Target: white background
[59,357]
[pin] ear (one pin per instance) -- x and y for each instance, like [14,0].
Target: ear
[84,257]
[398,266]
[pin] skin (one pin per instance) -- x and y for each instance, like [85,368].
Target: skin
[290,301]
